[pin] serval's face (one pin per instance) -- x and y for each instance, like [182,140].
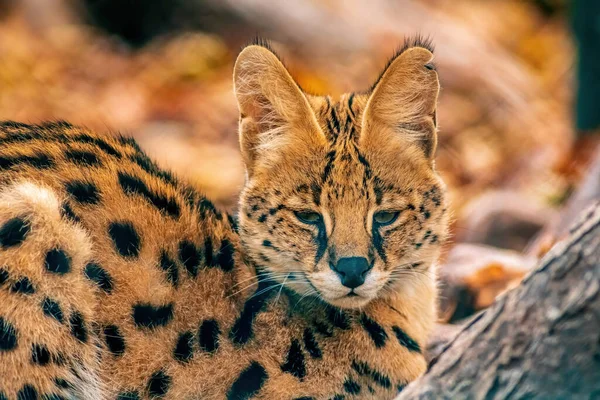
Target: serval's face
[342,200]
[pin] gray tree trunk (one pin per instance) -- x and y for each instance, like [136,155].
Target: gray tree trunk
[540,340]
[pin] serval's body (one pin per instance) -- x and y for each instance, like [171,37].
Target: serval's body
[118,281]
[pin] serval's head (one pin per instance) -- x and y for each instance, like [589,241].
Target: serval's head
[342,200]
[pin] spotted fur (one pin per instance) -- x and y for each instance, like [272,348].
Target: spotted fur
[119,281]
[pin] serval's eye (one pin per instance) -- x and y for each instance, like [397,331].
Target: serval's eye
[383,218]
[308,217]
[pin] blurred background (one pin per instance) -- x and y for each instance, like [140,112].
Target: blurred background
[518,108]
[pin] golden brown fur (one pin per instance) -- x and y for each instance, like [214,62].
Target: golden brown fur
[119,281]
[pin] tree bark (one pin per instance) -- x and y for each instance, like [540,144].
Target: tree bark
[540,340]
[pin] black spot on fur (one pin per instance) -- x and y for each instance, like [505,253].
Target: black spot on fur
[378,242]
[27,392]
[294,363]
[62,383]
[311,344]
[40,354]
[365,163]
[273,211]
[364,370]
[248,383]
[378,193]
[316,193]
[184,351]
[302,188]
[233,222]
[59,359]
[159,384]
[424,211]
[321,241]
[351,387]
[406,340]
[38,161]
[101,143]
[190,257]
[262,218]
[129,141]
[132,395]
[8,336]
[338,318]
[114,340]
[208,335]
[13,232]
[133,185]
[323,328]
[3,276]
[208,252]
[58,262]
[242,329]
[206,208]
[14,125]
[375,331]
[225,257]
[99,276]
[84,192]
[18,137]
[330,157]
[338,397]
[170,268]
[82,157]
[52,309]
[57,124]
[23,286]
[150,167]
[67,212]
[125,238]
[148,316]
[3,396]
[78,328]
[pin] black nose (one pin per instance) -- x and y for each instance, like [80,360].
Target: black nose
[352,271]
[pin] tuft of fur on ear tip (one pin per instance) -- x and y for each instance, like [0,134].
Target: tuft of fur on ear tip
[419,40]
[264,43]
[424,42]
[260,41]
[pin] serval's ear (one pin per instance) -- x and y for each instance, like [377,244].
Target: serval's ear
[403,100]
[274,112]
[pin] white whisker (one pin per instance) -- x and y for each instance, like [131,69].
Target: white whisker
[281,288]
